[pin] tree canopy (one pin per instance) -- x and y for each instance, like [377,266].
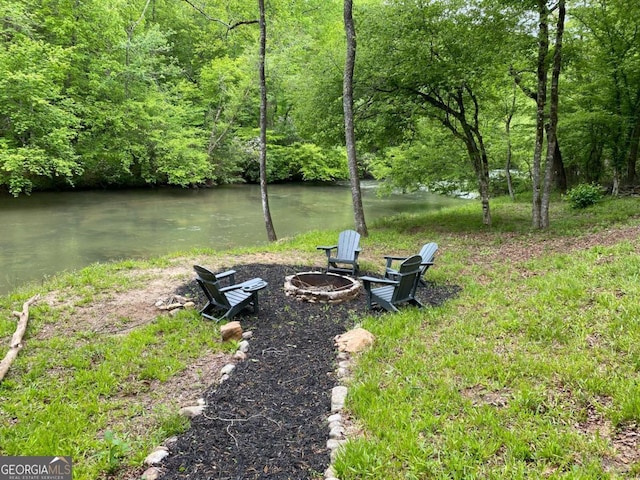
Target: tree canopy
[165,92]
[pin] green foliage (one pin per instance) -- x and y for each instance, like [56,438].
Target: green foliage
[520,182]
[293,161]
[601,103]
[433,160]
[96,93]
[113,452]
[37,124]
[584,195]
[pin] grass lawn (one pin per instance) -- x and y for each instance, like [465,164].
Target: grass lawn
[531,372]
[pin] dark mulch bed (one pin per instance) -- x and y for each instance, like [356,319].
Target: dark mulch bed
[269,419]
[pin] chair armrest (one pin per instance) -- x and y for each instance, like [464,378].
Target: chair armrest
[427,264]
[248,285]
[253,285]
[229,273]
[327,247]
[237,286]
[378,280]
[393,257]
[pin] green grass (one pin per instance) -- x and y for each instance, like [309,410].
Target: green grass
[81,393]
[65,394]
[522,376]
[533,371]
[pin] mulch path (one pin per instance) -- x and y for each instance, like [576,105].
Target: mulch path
[268,420]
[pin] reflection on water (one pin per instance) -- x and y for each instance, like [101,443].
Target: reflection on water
[52,232]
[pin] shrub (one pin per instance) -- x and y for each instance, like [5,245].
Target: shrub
[583,195]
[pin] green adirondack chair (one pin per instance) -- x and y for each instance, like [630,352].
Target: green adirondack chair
[227,301]
[396,292]
[427,253]
[343,257]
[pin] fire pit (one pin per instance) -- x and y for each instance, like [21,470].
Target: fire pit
[319,287]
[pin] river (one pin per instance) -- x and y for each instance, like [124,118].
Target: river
[46,233]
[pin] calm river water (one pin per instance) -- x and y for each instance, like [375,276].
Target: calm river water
[47,233]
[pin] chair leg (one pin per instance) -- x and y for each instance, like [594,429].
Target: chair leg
[256,305]
[207,315]
[369,302]
[205,308]
[416,303]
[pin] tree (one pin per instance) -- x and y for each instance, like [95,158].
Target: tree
[541,101]
[271,233]
[440,60]
[545,166]
[552,130]
[347,99]
[37,123]
[510,110]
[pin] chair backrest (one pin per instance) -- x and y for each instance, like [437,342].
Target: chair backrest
[428,251]
[407,276]
[211,285]
[348,243]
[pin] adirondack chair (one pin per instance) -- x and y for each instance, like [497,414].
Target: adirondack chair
[427,252]
[345,258]
[230,300]
[397,292]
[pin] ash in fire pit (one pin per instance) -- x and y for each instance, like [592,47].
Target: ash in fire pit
[319,287]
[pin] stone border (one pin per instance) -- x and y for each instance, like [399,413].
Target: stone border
[320,296]
[335,421]
[153,472]
[348,343]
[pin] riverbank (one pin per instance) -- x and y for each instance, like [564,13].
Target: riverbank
[523,372]
[46,232]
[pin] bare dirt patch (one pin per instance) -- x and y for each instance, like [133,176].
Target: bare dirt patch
[514,248]
[121,311]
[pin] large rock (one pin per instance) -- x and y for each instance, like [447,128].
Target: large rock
[231,331]
[354,340]
[156,456]
[192,411]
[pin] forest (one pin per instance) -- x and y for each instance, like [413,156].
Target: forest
[508,95]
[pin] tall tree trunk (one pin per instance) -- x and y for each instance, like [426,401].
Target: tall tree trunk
[634,146]
[507,128]
[553,117]
[559,172]
[475,147]
[507,166]
[477,152]
[541,100]
[271,233]
[618,136]
[347,104]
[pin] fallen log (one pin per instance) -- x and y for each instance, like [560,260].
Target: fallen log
[16,340]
